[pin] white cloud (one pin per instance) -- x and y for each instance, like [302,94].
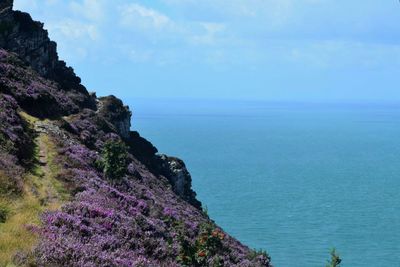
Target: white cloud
[90,9]
[71,29]
[140,17]
[237,8]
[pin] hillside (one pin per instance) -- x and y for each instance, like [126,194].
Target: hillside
[77,186]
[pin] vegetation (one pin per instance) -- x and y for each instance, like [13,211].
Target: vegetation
[10,180]
[206,246]
[335,259]
[5,144]
[4,211]
[15,236]
[254,254]
[52,169]
[115,159]
[23,200]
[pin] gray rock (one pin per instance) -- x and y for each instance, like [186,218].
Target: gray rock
[115,112]
[5,6]
[180,179]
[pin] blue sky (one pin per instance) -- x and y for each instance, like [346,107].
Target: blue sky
[291,50]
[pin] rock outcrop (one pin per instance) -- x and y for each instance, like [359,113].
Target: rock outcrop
[113,110]
[179,177]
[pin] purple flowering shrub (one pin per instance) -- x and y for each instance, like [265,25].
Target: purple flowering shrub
[133,221]
[16,147]
[31,90]
[78,156]
[10,175]
[16,137]
[10,123]
[93,131]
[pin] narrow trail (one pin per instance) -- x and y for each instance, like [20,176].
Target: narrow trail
[50,195]
[43,155]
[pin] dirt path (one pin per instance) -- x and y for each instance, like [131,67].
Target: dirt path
[49,195]
[43,155]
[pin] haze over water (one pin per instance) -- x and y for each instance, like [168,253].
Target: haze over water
[293,179]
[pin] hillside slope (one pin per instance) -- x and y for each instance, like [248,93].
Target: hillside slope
[58,202]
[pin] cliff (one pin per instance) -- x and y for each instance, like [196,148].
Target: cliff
[27,38]
[58,207]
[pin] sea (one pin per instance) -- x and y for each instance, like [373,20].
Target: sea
[294,179]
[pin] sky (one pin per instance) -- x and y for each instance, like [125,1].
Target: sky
[284,50]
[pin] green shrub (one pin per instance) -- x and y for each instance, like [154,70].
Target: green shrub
[4,212]
[115,159]
[335,259]
[207,245]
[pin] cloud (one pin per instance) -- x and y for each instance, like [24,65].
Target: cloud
[93,10]
[316,33]
[219,10]
[138,16]
[71,29]
[76,39]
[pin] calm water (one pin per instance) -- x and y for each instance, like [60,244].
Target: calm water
[295,180]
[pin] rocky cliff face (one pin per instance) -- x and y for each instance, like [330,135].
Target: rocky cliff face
[114,111]
[179,177]
[27,38]
[6,6]
[148,217]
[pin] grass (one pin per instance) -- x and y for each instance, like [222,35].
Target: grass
[28,118]
[41,192]
[14,236]
[4,213]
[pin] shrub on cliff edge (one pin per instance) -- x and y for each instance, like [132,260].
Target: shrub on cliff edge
[115,159]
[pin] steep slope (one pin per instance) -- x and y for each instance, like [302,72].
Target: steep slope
[53,135]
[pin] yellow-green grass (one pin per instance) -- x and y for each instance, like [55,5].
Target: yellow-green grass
[28,118]
[42,192]
[14,236]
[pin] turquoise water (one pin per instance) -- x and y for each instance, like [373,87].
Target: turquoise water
[293,179]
